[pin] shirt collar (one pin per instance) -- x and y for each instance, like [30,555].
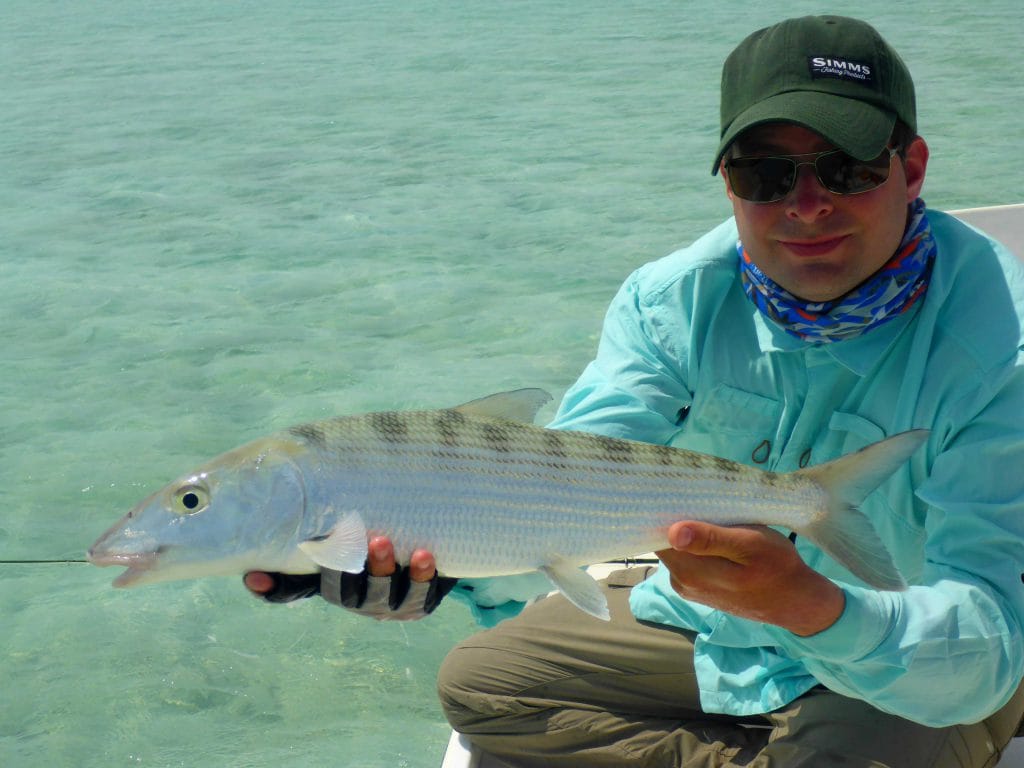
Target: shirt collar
[858,354]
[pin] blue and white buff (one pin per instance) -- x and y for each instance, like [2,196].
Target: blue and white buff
[887,294]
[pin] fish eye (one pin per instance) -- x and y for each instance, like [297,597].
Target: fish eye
[190,499]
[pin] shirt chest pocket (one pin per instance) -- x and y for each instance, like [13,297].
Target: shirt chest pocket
[855,432]
[731,423]
[891,509]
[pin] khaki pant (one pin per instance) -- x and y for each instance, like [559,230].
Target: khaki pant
[554,687]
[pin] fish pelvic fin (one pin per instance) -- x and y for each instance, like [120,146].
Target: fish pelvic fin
[518,405]
[344,548]
[578,586]
[845,533]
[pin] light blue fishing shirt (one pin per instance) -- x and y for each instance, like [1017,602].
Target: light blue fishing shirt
[686,359]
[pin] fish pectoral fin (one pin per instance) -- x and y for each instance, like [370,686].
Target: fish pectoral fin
[519,405]
[578,586]
[343,549]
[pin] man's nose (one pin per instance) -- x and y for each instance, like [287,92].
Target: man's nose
[808,201]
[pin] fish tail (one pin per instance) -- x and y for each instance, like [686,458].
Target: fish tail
[845,533]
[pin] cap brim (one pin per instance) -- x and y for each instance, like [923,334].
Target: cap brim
[854,126]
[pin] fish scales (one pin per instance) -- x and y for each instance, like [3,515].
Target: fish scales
[419,475]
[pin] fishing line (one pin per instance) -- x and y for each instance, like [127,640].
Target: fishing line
[39,562]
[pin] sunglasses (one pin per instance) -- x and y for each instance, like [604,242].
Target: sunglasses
[770,179]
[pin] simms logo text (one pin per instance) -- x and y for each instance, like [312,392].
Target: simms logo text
[841,69]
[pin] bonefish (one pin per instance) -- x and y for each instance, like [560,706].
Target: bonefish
[487,493]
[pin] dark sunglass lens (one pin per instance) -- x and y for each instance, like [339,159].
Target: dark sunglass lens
[846,175]
[761,179]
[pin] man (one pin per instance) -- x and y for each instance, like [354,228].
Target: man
[832,311]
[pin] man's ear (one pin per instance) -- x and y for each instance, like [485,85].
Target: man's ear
[725,178]
[915,163]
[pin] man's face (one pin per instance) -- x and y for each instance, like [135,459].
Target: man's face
[816,244]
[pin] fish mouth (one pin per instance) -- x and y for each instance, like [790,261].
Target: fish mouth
[137,564]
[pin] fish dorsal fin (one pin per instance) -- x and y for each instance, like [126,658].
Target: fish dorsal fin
[577,585]
[517,405]
[343,548]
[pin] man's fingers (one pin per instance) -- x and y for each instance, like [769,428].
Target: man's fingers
[282,587]
[381,556]
[421,566]
[259,582]
[381,561]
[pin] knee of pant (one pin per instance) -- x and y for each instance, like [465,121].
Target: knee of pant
[463,671]
[468,682]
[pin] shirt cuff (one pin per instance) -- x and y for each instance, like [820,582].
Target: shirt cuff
[866,620]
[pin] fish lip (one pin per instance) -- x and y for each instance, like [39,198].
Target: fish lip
[136,563]
[103,559]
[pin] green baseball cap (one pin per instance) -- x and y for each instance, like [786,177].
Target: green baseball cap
[831,74]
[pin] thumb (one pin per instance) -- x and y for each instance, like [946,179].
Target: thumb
[705,540]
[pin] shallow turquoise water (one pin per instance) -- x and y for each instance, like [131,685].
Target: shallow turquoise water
[220,219]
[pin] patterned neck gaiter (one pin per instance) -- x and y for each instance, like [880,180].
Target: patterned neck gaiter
[888,293]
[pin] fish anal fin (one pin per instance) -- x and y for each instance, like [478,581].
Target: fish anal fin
[848,537]
[578,586]
[519,405]
[343,548]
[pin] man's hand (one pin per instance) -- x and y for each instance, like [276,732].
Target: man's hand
[753,572]
[381,559]
[384,591]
